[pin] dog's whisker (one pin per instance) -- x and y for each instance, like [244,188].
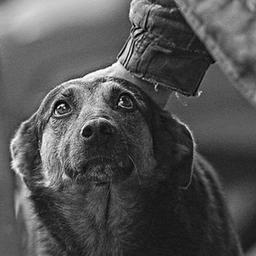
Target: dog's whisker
[130,139]
[135,169]
[65,165]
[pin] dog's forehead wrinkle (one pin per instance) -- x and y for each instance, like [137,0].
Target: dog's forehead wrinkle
[113,87]
[65,89]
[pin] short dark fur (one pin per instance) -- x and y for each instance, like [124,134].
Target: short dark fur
[168,203]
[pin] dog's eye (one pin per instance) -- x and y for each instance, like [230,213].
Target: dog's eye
[61,108]
[126,102]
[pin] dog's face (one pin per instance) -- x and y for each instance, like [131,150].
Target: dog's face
[94,133]
[100,133]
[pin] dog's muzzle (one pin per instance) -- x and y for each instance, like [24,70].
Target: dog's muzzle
[102,171]
[100,155]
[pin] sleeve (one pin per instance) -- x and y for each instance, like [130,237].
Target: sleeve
[228,29]
[162,48]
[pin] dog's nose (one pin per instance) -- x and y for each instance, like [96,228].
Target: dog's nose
[99,128]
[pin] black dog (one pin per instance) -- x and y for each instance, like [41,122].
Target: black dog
[110,173]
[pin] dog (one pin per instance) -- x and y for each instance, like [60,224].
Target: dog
[109,173]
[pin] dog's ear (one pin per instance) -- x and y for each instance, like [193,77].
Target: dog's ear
[174,147]
[24,149]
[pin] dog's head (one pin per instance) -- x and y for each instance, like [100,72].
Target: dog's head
[102,132]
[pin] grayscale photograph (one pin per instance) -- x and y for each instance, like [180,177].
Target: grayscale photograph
[128,128]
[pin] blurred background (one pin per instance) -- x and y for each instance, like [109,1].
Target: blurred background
[43,43]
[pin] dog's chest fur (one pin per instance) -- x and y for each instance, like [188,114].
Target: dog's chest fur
[106,222]
[111,222]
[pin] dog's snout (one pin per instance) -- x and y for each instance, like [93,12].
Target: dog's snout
[99,128]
